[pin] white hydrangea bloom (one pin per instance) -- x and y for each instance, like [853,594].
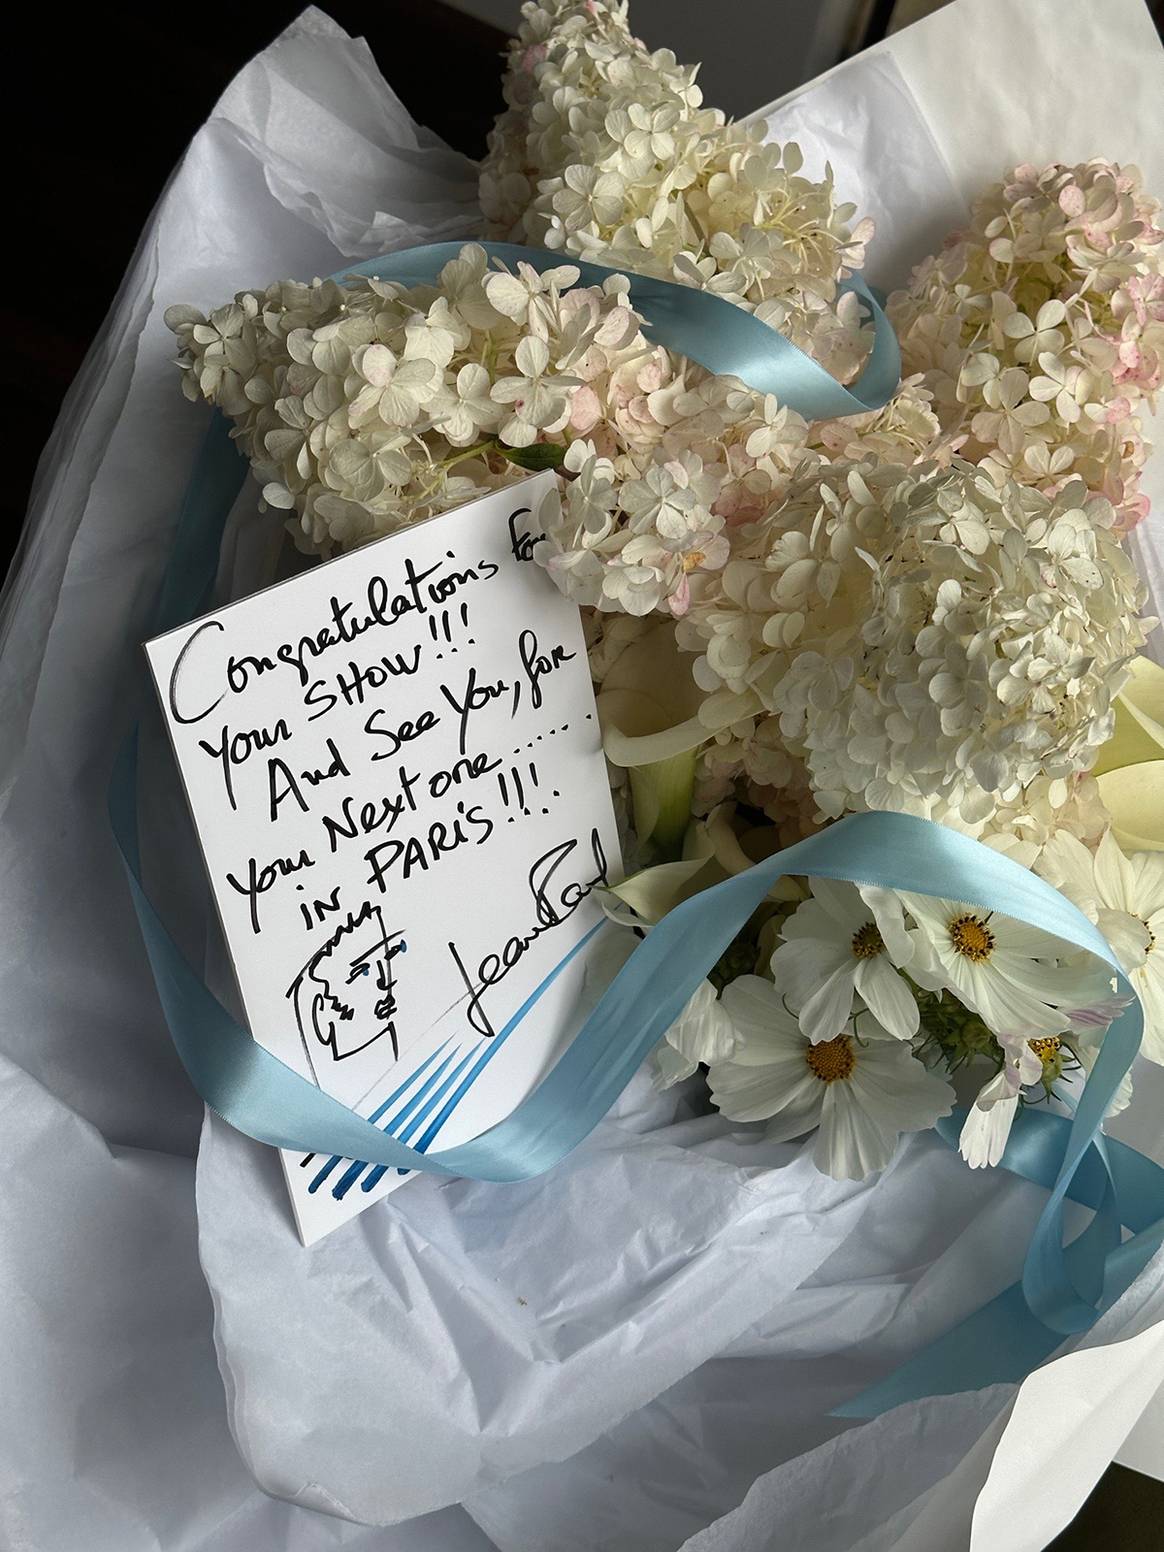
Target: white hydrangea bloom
[1045,808]
[928,641]
[1040,329]
[371,405]
[606,152]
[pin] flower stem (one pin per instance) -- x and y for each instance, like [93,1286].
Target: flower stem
[468,452]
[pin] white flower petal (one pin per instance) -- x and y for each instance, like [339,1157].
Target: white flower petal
[851,1144]
[670,1066]
[1128,936]
[766,1029]
[703,1032]
[888,997]
[827,1010]
[758,1092]
[986,1129]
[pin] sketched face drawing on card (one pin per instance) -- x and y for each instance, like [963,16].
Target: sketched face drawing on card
[345,997]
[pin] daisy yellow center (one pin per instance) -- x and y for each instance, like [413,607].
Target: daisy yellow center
[972,938]
[1047,1048]
[693,560]
[867,943]
[1151,936]
[831,1059]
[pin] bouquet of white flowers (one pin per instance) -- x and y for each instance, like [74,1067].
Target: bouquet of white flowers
[798,622]
[926,608]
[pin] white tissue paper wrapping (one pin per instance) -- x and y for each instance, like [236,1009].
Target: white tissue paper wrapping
[638,1351]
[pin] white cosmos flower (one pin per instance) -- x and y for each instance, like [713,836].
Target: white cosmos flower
[987,1127]
[1124,896]
[702,1027]
[703,1032]
[1004,970]
[845,940]
[861,1092]
[984,1134]
[985,1131]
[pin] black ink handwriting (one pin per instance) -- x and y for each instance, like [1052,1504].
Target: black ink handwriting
[260,879]
[282,783]
[236,748]
[555,898]
[536,664]
[474,696]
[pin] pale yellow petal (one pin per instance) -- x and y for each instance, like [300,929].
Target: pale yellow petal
[1139,729]
[652,892]
[1134,795]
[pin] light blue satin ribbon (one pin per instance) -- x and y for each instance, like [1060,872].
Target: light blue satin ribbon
[698,325]
[1061,1291]
[1002,1341]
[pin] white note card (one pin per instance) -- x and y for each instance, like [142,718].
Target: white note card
[395,770]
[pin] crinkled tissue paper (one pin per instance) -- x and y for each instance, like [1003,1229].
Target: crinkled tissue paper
[639,1351]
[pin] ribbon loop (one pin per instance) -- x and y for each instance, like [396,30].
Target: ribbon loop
[705,328]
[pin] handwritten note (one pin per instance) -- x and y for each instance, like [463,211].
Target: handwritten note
[395,770]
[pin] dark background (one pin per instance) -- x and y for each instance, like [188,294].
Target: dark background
[114,101]
[101,104]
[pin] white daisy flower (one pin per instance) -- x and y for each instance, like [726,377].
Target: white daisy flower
[1002,969]
[862,1091]
[1124,896]
[843,940]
